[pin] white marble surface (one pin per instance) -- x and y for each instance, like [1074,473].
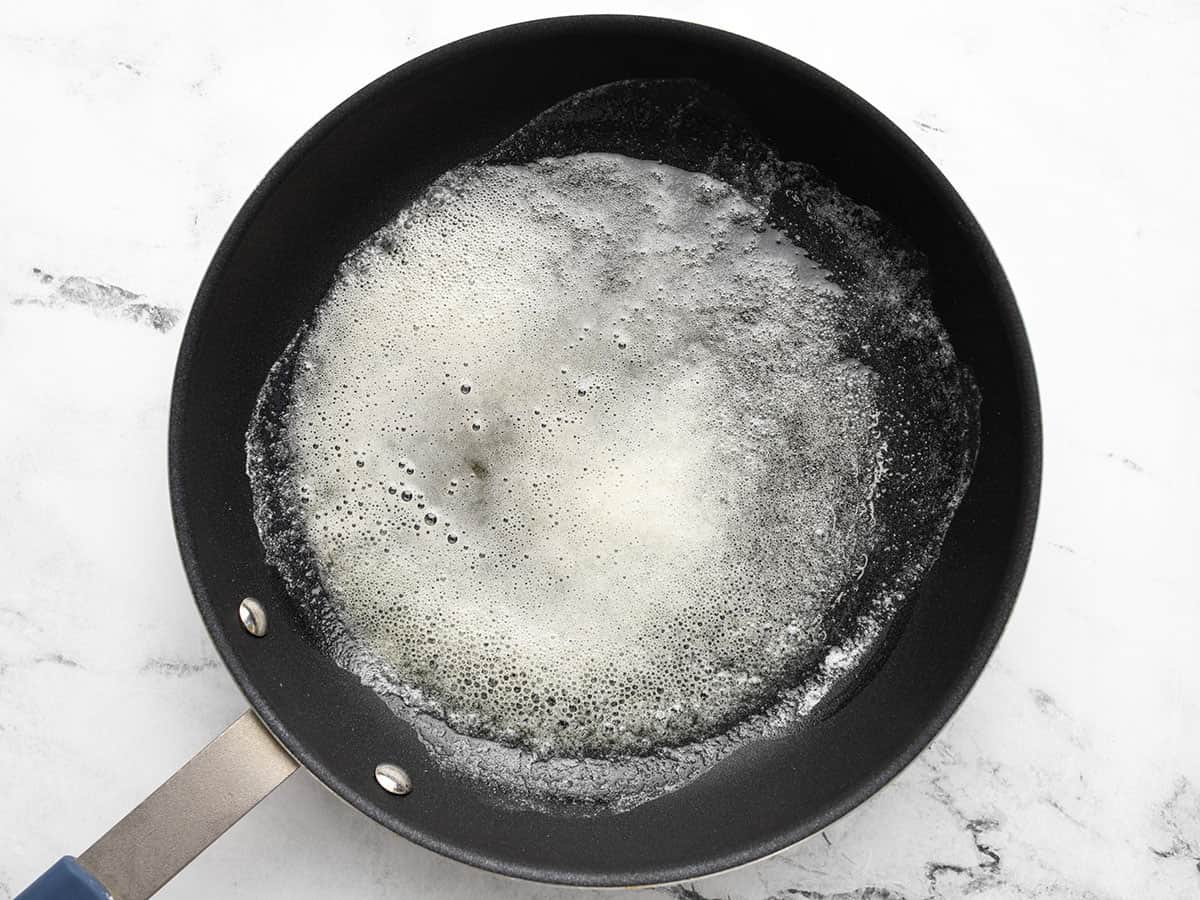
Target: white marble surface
[133,131]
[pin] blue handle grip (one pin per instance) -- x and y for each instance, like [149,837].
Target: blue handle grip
[65,880]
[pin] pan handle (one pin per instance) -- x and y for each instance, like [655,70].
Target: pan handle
[168,829]
[66,880]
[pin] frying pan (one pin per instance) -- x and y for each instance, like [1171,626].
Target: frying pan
[336,186]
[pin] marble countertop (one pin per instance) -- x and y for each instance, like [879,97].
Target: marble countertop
[134,130]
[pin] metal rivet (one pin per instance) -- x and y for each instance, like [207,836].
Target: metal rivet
[253,616]
[393,779]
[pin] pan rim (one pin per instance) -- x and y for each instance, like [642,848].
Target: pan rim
[1030,445]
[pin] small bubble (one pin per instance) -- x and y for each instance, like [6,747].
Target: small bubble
[359,463]
[476,425]
[452,538]
[431,518]
[406,495]
[465,387]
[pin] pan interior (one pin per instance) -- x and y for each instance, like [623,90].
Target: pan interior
[592,469]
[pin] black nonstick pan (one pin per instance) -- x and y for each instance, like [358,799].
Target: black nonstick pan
[337,185]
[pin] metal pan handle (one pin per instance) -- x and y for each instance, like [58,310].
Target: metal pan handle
[168,829]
